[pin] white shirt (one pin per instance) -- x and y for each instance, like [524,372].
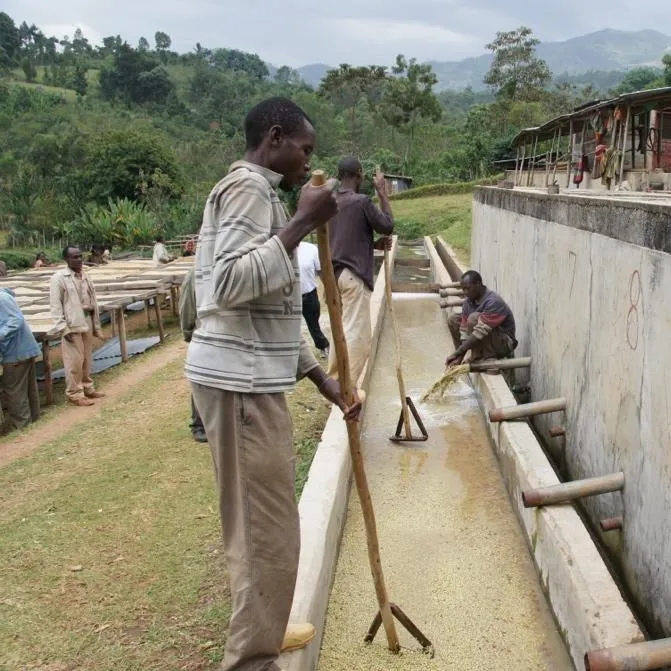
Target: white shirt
[308,260]
[160,254]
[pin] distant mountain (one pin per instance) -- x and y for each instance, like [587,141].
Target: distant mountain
[605,50]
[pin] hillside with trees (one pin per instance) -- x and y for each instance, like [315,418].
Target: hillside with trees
[112,142]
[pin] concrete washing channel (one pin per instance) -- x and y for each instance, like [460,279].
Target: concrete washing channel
[494,585]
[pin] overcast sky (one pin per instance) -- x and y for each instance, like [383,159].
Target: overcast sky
[360,32]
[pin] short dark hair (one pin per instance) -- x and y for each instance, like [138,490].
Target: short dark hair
[273,112]
[66,250]
[472,277]
[349,167]
[159,238]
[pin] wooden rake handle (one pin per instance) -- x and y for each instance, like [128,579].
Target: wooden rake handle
[332,296]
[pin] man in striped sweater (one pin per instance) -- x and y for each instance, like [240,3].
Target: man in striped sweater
[245,353]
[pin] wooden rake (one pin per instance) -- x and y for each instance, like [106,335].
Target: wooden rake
[407,406]
[387,610]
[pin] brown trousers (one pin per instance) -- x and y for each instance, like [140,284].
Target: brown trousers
[497,345]
[250,436]
[18,388]
[77,360]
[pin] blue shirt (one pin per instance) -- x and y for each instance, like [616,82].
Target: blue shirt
[16,339]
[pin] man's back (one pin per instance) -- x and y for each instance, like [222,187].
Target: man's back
[351,234]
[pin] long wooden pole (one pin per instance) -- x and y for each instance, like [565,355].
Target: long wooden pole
[332,297]
[397,337]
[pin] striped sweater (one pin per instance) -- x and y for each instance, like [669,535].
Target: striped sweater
[248,292]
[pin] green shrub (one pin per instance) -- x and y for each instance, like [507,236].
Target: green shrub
[17,260]
[407,229]
[121,223]
[445,189]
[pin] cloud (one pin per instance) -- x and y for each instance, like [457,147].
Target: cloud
[294,33]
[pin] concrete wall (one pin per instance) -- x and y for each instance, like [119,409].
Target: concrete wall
[589,281]
[586,603]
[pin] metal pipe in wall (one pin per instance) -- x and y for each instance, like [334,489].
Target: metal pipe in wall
[503,364]
[611,523]
[451,304]
[527,410]
[634,657]
[569,491]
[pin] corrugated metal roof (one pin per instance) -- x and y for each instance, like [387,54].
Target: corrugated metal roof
[635,99]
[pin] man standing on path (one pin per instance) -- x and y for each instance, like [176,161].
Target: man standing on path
[485,327]
[352,249]
[187,323]
[18,349]
[308,260]
[74,309]
[245,353]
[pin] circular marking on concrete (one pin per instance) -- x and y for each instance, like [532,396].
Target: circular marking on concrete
[635,288]
[632,327]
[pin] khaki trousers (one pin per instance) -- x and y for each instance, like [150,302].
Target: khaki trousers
[77,359]
[250,436]
[18,388]
[355,301]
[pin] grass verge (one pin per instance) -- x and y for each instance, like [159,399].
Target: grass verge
[448,216]
[111,555]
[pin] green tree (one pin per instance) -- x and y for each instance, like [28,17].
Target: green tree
[239,61]
[143,44]
[163,42]
[79,81]
[29,69]
[666,62]
[638,79]
[356,92]
[287,76]
[80,45]
[516,72]
[134,77]
[9,36]
[119,162]
[409,97]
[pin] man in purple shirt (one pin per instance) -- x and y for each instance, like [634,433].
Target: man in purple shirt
[486,325]
[352,249]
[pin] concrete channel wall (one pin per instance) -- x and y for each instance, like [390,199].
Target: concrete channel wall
[589,609]
[589,281]
[323,506]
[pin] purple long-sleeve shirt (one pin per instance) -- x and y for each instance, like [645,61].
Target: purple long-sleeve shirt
[352,234]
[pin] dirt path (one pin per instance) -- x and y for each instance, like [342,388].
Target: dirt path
[19,444]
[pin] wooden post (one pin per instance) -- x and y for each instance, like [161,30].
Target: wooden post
[159,320]
[48,382]
[123,342]
[174,298]
[524,151]
[113,322]
[332,296]
[554,168]
[517,161]
[530,177]
[569,165]
[397,337]
[147,314]
[624,145]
